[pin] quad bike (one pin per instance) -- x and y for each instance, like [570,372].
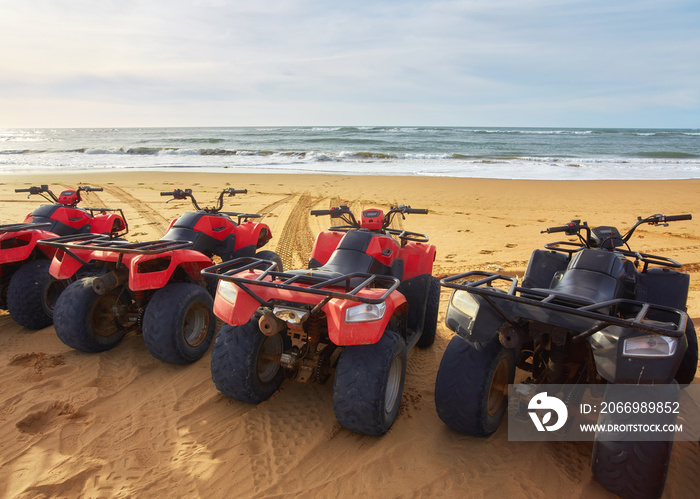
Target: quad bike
[155,285]
[27,290]
[585,314]
[365,301]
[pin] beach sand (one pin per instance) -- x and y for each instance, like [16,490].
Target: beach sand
[123,424]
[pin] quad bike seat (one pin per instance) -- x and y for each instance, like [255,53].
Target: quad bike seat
[350,257]
[183,230]
[592,276]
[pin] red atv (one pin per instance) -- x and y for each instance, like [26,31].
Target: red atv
[153,285]
[26,288]
[367,298]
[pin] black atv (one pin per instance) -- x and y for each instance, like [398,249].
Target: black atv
[585,313]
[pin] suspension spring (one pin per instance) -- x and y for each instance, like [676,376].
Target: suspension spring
[314,329]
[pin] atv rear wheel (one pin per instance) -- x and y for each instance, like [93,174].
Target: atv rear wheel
[689,365]
[431,315]
[179,323]
[272,256]
[471,388]
[32,294]
[369,383]
[244,362]
[85,320]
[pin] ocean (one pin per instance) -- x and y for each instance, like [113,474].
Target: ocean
[506,153]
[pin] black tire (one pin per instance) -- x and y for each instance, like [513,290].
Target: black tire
[431,315]
[689,365]
[236,367]
[84,320]
[272,256]
[369,383]
[179,323]
[471,385]
[32,294]
[632,469]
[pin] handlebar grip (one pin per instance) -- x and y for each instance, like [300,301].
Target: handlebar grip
[318,213]
[418,211]
[23,190]
[239,191]
[87,188]
[167,193]
[674,218]
[561,228]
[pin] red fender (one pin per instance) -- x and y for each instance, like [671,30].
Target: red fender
[18,246]
[252,233]
[104,222]
[360,333]
[340,332]
[417,258]
[64,266]
[143,277]
[325,244]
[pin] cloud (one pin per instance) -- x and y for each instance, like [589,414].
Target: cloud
[357,63]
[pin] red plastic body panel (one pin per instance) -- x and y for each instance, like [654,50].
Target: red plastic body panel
[72,217]
[340,332]
[252,233]
[63,266]
[104,222]
[24,244]
[379,244]
[417,259]
[374,222]
[69,198]
[325,244]
[215,226]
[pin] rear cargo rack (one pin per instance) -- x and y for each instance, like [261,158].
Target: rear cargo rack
[302,283]
[593,318]
[24,226]
[99,242]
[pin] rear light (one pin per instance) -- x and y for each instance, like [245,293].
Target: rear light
[228,291]
[365,312]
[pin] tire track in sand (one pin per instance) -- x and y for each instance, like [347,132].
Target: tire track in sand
[296,242]
[153,217]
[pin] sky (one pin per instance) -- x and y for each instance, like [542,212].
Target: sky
[578,63]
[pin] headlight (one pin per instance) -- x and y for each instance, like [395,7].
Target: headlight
[365,312]
[228,291]
[650,346]
[465,303]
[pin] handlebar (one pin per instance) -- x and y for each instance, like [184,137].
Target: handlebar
[187,193]
[675,218]
[87,188]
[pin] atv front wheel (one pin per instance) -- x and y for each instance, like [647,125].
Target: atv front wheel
[245,363]
[471,388]
[631,469]
[369,383]
[427,338]
[179,323]
[32,294]
[85,320]
[689,365]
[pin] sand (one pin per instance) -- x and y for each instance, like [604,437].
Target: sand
[123,424]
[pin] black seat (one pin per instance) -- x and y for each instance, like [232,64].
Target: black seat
[592,276]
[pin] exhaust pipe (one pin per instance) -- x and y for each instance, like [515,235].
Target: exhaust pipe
[271,325]
[106,283]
